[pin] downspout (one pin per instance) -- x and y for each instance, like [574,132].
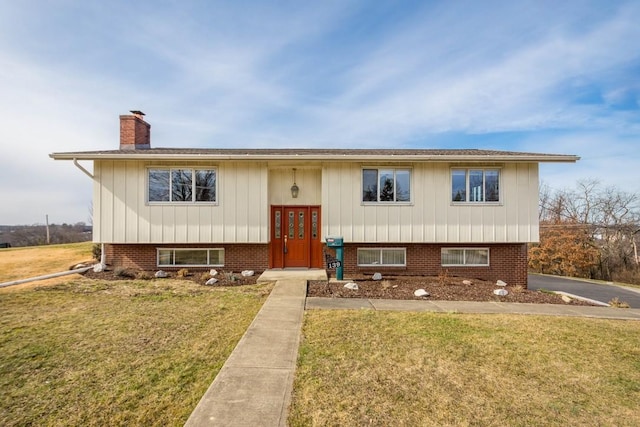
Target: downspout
[103,257]
[79,166]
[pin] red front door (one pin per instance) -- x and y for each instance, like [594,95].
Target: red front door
[295,238]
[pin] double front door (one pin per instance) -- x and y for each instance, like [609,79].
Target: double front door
[295,237]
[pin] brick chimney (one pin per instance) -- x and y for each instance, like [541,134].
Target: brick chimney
[135,133]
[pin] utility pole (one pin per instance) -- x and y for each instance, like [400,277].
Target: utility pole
[635,247]
[47,220]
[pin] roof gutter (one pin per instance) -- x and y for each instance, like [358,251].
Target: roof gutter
[316,157]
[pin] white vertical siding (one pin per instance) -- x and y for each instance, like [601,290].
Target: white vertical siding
[431,217]
[124,216]
[308,181]
[247,189]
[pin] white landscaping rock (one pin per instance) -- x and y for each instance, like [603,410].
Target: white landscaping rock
[213,272]
[211,281]
[247,273]
[377,276]
[501,292]
[98,268]
[421,293]
[500,283]
[566,299]
[467,282]
[161,274]
[352,286]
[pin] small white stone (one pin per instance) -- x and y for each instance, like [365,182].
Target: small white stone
[500,283]
[352,286]
[247,273]
[211,281]
[98,268]
[377,276]
[501,292]
[421,293]
[213,272]
[566,298]
[160,274]
[467,282]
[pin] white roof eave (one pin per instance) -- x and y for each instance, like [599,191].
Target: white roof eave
[298,157]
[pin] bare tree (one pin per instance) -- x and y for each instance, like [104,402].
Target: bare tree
[605,218]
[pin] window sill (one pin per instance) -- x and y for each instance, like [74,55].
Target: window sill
[189,265]
[386,203]
[381,266]
[465,265]
[476,203]
[182,203]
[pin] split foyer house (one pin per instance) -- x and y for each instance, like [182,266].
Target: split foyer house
[401,211]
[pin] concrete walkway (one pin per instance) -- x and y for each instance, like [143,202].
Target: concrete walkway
[253,388]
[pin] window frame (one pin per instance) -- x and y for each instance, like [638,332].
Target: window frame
[193,170]
[173,257]
[467,201]
[378,202]
[404,253]
[464,256]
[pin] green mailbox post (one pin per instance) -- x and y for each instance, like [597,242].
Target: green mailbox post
[338,244]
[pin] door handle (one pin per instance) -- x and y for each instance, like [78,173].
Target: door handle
[285,243]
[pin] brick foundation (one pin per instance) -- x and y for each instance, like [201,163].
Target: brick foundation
[508,261]
[144,256]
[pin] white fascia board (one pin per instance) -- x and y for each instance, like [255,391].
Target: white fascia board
[298,157]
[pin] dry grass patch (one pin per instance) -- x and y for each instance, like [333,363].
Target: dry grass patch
[96,353]
[22,263]
[383,368]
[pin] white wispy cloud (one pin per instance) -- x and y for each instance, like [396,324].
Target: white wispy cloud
[531,76]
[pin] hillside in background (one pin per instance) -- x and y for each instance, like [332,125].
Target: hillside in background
[35,235]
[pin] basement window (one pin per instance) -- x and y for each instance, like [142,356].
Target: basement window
[382,257]
[464,257]
[190,257]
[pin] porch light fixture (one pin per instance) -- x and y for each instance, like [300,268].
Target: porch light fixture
[294,188]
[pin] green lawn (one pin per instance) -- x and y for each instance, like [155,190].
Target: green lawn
[430,369]
[94,353]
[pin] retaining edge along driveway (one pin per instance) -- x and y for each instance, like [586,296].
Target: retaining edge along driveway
[602,292]
[472,307]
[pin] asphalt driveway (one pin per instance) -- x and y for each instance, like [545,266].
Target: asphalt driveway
[596,291]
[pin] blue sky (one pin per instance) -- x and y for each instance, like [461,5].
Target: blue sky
[541,76]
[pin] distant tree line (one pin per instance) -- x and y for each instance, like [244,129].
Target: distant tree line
[35,235]
[589,231]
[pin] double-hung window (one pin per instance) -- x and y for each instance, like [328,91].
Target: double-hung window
[182,185]
[386,185]
[475,185]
